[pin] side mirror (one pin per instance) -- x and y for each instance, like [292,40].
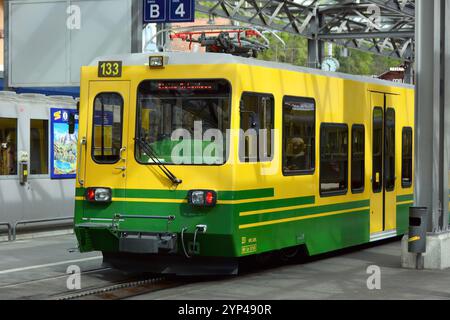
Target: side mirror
[71,123]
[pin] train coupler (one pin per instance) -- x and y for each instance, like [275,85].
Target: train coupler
[144,243]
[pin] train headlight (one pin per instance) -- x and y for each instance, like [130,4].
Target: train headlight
[202,198]
[99,195]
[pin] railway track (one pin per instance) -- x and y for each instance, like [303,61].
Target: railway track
[123,290]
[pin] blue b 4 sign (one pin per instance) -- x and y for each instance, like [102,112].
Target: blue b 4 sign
[169,11]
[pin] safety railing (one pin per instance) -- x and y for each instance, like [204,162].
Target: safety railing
[7,225]
[24,222]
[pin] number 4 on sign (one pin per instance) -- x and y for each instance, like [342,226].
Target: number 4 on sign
[180,10]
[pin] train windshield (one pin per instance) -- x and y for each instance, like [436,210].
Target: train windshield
[183,122]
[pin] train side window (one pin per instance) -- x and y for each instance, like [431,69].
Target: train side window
[8,147]
[333,159]
[257,123]
[407,157]
[377,151]
[358,158]
[39,147]
[107,128]
[390,150]
[299,133]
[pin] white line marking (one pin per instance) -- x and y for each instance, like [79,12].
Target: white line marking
[49,279]
[49,265]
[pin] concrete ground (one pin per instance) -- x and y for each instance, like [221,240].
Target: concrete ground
[36,269]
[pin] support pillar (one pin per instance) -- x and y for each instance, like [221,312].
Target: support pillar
[315,46]
[409,73]
[137,25]
[432,128]
[163,38]
[6,57]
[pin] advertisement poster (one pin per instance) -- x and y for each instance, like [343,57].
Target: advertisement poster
[63,164]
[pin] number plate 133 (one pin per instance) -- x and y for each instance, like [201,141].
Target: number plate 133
[110,69]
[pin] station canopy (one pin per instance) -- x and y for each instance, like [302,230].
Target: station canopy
[382,27]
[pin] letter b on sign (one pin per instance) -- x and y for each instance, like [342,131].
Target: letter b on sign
[154,11]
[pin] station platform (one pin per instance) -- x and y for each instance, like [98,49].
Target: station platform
[36,269]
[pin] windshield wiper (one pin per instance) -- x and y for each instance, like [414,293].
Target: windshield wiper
[151,153]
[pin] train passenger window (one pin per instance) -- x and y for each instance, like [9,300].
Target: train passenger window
[183,122]
[8,146]
[299,132]
[107,130]
[377,160]
[407,157]
[39,147]
[358,158]
[333,159]
[390,150]
[257,123]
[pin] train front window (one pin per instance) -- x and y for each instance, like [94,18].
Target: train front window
[183,122]
[107,131]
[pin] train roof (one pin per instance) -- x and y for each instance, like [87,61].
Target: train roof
[191,58]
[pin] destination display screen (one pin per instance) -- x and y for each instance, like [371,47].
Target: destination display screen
[186,86]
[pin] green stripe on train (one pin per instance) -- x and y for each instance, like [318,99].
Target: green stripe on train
[408,197]
[218,216]
[301,212]
[320,235]
[182,194]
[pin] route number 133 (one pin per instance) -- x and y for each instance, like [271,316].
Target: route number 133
[110,69]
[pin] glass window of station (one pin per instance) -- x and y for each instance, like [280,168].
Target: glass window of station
[39,147]
[8,146]
[183,122]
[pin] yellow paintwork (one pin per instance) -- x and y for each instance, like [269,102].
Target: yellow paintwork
[337,101]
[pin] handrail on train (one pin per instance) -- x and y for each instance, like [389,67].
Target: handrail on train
[17,223]
[8,225]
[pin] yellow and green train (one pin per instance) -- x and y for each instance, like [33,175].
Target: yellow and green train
[188,161]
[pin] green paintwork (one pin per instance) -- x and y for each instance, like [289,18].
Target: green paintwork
[408,197]
[303,212]
[320,235]
[402,218]
[403,213]
[224,238]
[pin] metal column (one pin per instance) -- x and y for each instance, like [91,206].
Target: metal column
[432,110]
[163,38]
[315,46]
[6,46]
[409,73]
[137,27]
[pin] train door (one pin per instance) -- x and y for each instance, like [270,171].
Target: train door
[106,152]
[383,199]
